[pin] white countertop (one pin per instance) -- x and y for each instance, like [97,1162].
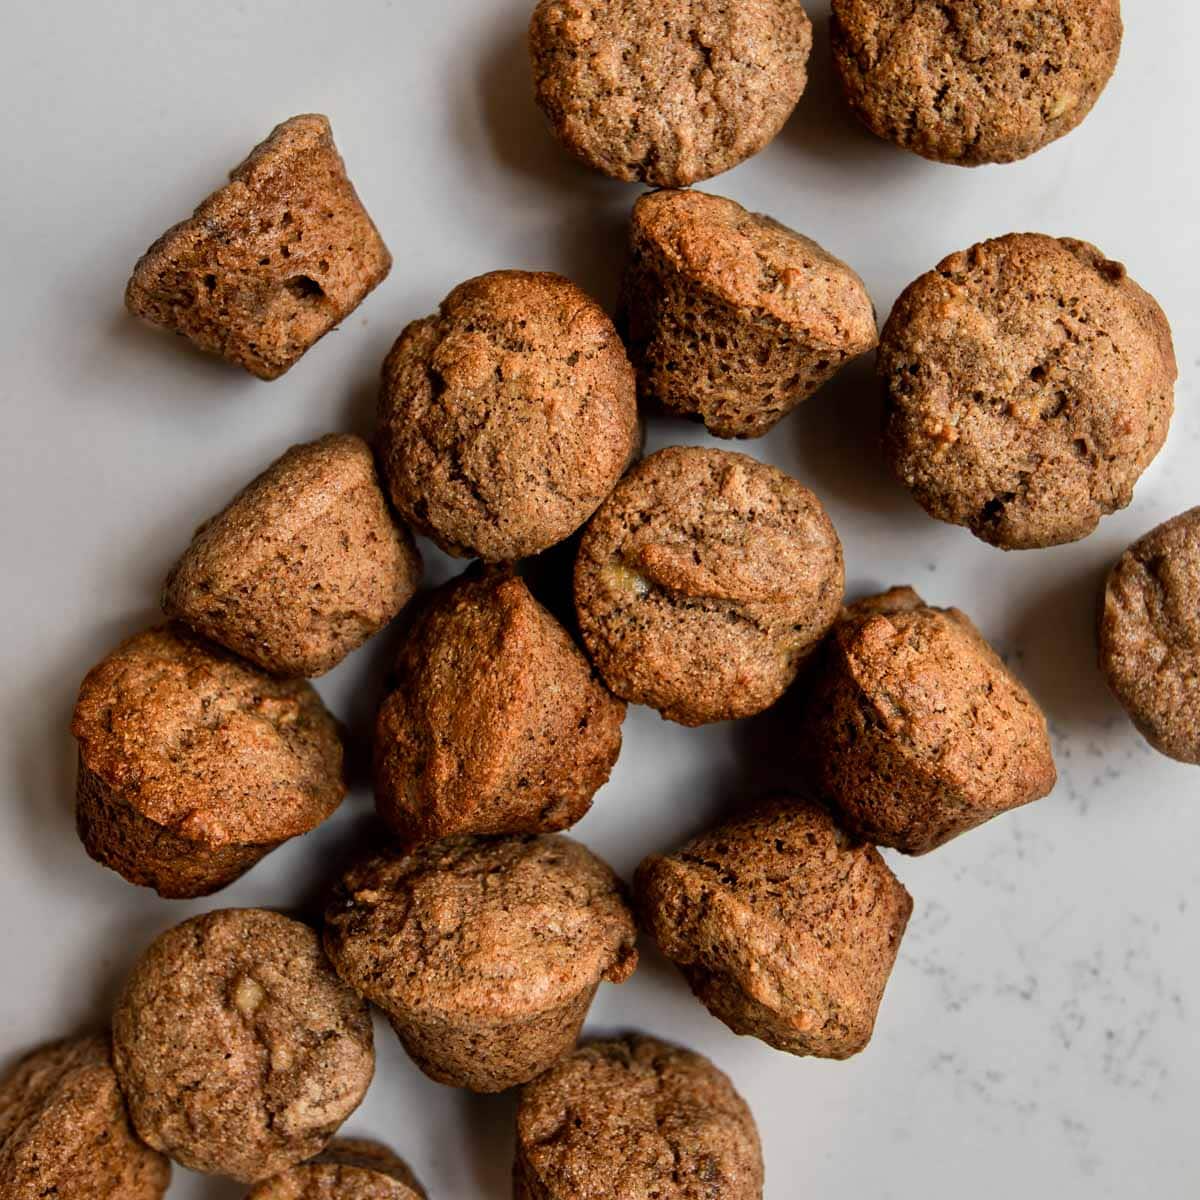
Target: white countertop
[1038,1037]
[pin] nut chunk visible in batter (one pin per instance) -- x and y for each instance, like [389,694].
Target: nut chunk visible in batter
[1150,635]
[269,263]
[239,1050]
[1030,382]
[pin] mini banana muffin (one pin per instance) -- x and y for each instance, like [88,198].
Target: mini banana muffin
[270,262]
[668,91]
[784,928]
[239,1050]
[64,1132]
[915,730]
[347,1169]
[485,953]
[506,417]
[732,317]
[193,765]
[497,723]
[974,81]
[704,581]
[304,564]
[1030,382]
[635,1118]
[1150,635]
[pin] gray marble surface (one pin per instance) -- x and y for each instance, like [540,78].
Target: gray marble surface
[1038,1037]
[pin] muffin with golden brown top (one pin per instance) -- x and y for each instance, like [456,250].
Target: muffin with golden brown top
[975,81]
[485,953]
[1030,382]
[730,316]
[635,1117]
[193,764]
[497,723]
[914,728]
[668,91]
[1150,635]
[785,929]
[239,1050]
[347,1169]
[506,417]
[704,581]
[303,566]
[269,263]
[64,1131]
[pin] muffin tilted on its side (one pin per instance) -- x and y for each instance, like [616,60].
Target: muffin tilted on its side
[347,1169]
[732,317]
[485,953]
[915,730]
[269,263]
[1150,635]
[497,723]
[785,928]
[193,764]
[302,566]
[704,581]
[1030,382]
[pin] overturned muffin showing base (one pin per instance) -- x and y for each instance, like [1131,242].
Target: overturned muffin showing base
[64,1131]
[507,416]
[704,581]
[496,724]
[660,1119]
[485,953]
[785,929]
[347,1169]
[1150,635]
[668,91]
[1030,382]
[193,764]
[239,1050]
[303,566]
[914,728]
[732,317]
[269,263]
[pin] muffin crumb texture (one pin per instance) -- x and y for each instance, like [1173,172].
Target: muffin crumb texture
[270,262]
[347,1169]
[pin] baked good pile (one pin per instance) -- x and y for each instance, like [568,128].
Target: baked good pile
[1029,383]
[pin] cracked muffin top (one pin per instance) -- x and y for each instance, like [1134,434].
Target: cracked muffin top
[495,927]
[507,417]
[347,1169]
[1030,382]
[668,92]
[974,81]
[1150,635]
[196,739]
[239,1050]
[662,1119]
[704,581]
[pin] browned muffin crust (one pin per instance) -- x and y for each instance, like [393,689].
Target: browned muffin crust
[704,581]
[784,928]
[302,566]
[193,764]
[974,81]
[661,1120]
[64,1132]
[347,1169]
[1030,382]
[915,730]
[485,953]
[1150,635]
[732,317]
[668,91]
[239,1050]
[270,262]
[496,724]
[505,418]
